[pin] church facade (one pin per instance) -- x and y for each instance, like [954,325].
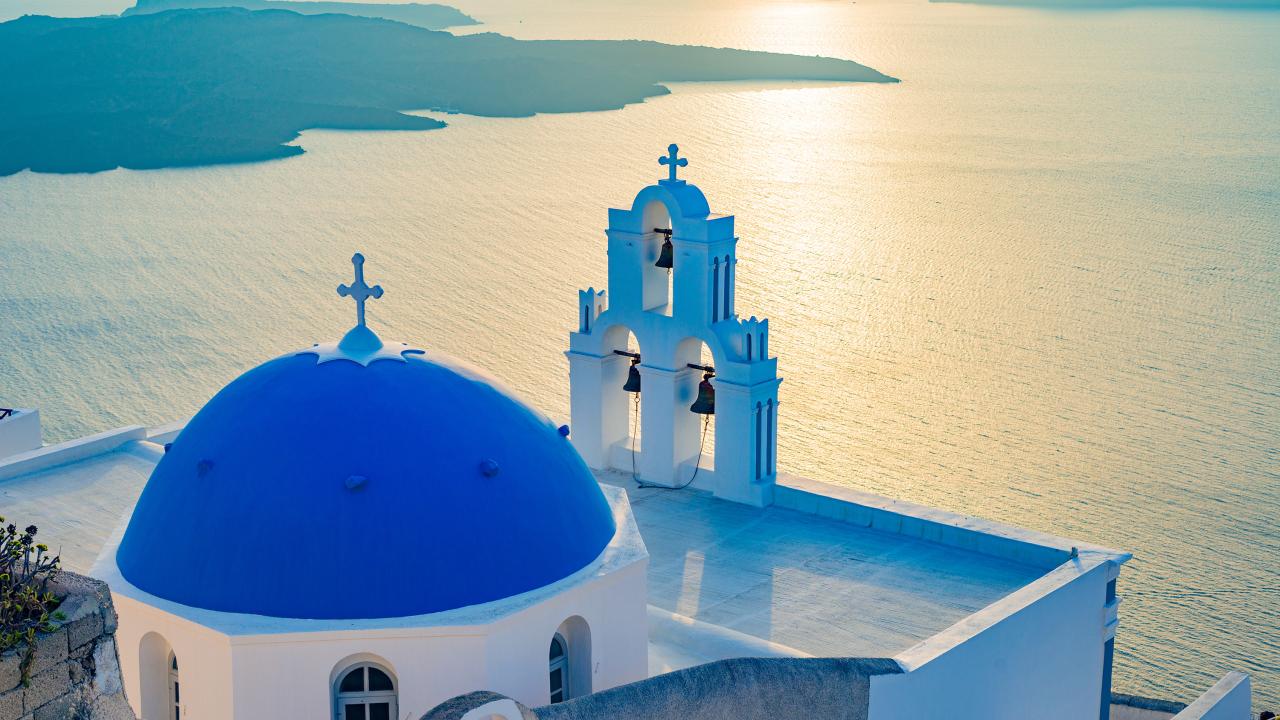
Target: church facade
[274,544]
[368,530]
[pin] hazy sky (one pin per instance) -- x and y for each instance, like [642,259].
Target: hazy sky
[10,9]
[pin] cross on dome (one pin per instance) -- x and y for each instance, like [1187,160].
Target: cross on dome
[360,340]
[672,160]
[359,290]
[360,344]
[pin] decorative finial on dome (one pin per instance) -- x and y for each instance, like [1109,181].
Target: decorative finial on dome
[360,345]
[360,338]
[672,160]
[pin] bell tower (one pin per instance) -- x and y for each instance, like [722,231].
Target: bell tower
[638,399]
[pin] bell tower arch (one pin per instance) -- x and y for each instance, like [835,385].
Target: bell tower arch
[672,271]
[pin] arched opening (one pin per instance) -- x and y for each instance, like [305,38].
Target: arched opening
[694,421]
[622,409]
[569,667]
[365,691]
[158,679]
[657,282]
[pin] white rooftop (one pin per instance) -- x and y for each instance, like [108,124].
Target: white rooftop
[809,585]
[78,505]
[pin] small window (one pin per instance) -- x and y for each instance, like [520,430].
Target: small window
[175,689]
[558,659]
[365,692]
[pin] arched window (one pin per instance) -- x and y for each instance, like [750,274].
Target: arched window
[769,444]
[558,668]
[715,290]
[748,347]
[728,285]
[759,411]
[365,692]
[175,695]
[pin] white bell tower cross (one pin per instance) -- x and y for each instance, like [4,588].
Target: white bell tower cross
[672,312]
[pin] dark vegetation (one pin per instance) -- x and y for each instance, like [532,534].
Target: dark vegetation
[196,87]
[26,602]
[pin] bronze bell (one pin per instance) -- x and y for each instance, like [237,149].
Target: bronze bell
[705,404]
[632,385]
[666,256]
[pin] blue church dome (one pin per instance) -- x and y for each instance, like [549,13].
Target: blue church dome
[363,481]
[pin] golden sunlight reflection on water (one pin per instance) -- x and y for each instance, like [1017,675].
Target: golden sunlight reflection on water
[1031,282]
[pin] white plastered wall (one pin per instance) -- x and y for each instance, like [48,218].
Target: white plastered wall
[204,661]
[20,432]
[615,613]
[1038,652]
[289,676]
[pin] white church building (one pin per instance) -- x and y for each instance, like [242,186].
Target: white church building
[370,530]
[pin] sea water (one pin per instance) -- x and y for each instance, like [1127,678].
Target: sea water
[1037,281]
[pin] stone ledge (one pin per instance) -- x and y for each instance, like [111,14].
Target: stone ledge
[738,688]
[75,669]
[1145,703]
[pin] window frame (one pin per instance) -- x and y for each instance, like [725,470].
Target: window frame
[364,697]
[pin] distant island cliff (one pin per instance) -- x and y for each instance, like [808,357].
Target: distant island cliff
[197,87]
[431,16]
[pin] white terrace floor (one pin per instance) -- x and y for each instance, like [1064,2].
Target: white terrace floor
[725,580]
[79,505]
[818,586]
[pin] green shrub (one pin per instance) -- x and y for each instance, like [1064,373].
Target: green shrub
[26,568]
